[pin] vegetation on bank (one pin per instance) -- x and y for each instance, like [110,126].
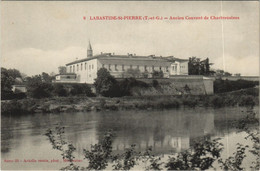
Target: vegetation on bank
[200,156]
[44,97]
[248,97]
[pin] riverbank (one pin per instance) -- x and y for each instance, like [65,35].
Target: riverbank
[246,97]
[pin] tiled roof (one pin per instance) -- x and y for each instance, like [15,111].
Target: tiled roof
[128,58]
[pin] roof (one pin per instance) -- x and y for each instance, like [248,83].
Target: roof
[89,46]
[109,56]
[66,74]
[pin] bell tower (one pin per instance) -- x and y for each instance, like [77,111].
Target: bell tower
[89,50]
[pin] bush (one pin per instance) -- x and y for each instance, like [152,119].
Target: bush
[189,101]
[40,90]
[59,90]
[81,89]
[105,84]
[217,101]
[221,86]
[247,101]
[15,107]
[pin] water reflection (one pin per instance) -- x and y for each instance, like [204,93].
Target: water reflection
[167,131]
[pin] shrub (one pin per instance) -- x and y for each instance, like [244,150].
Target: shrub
[247,101]
[189,101]
[217,101]
[59,90]
[105,84]
[221,86]
[81,89]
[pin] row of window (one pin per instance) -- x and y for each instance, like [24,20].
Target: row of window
[131,67]
[72,68]
[80,67]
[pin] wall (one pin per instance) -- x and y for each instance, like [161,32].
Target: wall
[198,85]
[86,71]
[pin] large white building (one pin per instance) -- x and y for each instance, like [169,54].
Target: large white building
[86,69]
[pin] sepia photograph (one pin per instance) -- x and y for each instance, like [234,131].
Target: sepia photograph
[130,85]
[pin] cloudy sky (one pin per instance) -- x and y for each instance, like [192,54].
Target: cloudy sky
[39,36]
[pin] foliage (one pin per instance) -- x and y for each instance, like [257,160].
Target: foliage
[36,88]
[234,162]
[198,67]
[217,101]
[155,83]
[222,73]
[46,78]
[247,100]
[8,77]
[145,74]
[100,153]
[59,90]
[126,86]
[57,141]
[62,70]
[222,86]
[135,73]
[189,101]
[128,160]
[81,89]
[157,74]
[201,156]
[254,137]
[105,84]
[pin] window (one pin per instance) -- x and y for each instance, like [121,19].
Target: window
[152,68]
[77,67]
[123,67]
[103,65]
[70,69]
[116,67]
[73,68]
[137,66]
[131,66]
[89,67]
[145,68]
[81,67]
[92,66]
[160,68]
[85,65]
[109,67]
[167,69]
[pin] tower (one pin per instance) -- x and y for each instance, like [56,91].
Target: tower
[89,50]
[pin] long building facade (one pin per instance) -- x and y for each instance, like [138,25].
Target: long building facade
[119,65]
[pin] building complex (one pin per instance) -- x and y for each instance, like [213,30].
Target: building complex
[85,70]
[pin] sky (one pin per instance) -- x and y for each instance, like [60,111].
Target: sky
[40,36]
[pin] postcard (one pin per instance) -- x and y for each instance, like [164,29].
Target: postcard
[129,85]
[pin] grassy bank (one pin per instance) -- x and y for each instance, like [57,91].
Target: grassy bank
[247,97]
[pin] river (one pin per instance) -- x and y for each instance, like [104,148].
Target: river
[168,131]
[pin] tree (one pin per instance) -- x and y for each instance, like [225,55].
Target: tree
[37,88]
[62,70]
[6,80]
[105,83]
[135,73]
[198,67]
[47,78]
[157,74]
[59,90]
[221,73]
